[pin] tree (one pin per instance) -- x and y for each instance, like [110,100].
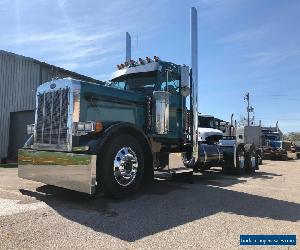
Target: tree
[292,136]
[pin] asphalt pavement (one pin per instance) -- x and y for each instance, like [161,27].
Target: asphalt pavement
[211,213]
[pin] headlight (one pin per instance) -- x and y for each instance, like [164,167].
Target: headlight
[30,129]
[83,128]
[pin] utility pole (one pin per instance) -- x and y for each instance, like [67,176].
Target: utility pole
[249,108]
[231,125]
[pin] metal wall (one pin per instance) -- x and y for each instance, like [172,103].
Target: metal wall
[18,132]
[19,78]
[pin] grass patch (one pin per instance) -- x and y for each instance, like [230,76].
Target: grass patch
[9,165]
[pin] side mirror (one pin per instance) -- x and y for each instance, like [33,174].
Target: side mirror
[185,80]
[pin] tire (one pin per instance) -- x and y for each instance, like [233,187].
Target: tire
[239,160]
[259,157]
[251,159]
[120,153]
[284,157]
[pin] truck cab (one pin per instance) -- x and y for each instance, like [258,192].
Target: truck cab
[111,133]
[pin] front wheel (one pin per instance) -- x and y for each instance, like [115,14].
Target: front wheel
[121,167]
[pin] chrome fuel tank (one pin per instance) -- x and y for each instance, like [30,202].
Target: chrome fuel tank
[210,155]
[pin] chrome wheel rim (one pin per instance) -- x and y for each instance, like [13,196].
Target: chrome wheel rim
[241,159]
[253,159]
[125,166]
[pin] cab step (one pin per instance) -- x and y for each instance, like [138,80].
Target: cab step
[176,174]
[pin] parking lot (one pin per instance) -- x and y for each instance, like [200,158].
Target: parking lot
[209,214]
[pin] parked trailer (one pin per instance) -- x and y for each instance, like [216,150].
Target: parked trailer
[112,136]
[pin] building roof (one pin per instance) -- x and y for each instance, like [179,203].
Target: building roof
[52,67]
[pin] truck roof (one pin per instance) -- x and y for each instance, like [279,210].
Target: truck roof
[142,68]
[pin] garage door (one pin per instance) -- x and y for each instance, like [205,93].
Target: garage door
[18,132]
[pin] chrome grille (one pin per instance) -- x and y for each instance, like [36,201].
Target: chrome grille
[52,117]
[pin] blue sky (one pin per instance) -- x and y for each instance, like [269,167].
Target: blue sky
[244,45]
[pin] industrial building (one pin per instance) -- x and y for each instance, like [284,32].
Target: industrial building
[19,78]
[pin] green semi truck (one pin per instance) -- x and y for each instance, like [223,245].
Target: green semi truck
[113,136]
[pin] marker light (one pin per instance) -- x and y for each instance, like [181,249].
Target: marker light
[148,59]
[132,62]
[98,127]
[141,61]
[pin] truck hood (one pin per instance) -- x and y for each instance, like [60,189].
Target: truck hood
[204,133]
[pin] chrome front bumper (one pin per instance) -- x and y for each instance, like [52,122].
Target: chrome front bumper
[67,170]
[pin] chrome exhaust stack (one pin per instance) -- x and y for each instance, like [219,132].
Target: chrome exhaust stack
[194,82]
[128,47]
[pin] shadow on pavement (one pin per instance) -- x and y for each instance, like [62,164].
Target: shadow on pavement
[164,205]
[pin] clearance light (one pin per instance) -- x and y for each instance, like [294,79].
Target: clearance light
[132,62]
[148,59]
[141,61]
[156,58]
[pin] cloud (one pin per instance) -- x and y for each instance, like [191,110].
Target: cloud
[69,66]
[270,58]
[67,38]
[243,36]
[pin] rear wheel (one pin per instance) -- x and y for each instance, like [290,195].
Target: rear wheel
[121,167]
[251,159]
[240,160]
[259,156]
[284,157]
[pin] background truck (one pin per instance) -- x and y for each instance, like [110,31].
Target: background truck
[114,135]
[274,148]
[275,151]
[251,136]
[296,148]
[216,149]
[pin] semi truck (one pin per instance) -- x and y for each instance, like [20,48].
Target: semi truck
[275,151]
[113,136]
[251,136]
[218,149]
[273,144]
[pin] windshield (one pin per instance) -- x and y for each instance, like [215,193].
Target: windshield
[166,80]
[276,144]
[206,122]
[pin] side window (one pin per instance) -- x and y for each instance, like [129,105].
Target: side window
[119,85]
[172,86]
